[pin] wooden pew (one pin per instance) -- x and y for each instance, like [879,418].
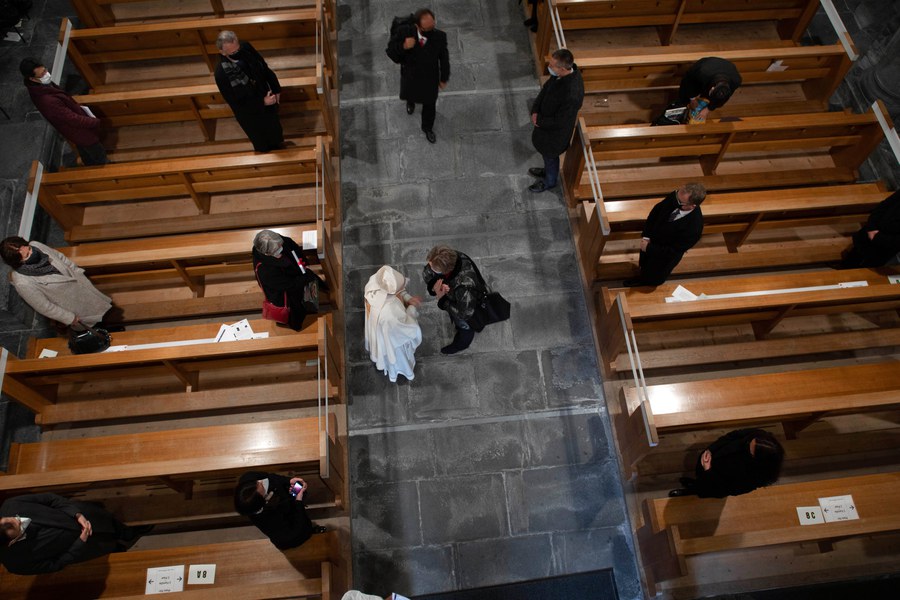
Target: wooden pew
[181,372]
[105,13]
[140,114]
[180,457]
[161,278]
[249,570]
[667,16]
[749,153]
[608,232]
[677,528]
[162,197]
[169,54]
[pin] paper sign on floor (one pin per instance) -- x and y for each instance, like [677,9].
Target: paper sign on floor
[163,580]
[838,508]
[201,574]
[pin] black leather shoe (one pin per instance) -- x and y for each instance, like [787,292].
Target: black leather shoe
[681,492]
[635,282]
[687,482]
[410,108]
[538,186]
[429,135]
[536,172]
[319,529]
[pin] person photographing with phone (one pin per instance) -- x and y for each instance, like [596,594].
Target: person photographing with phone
[274,503]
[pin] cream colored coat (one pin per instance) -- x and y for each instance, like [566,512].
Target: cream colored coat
[392,331]
[64,296]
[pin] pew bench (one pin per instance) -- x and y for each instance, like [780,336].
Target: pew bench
[178,371]
[675,529]
[249,570]
[174,53]
[180,457]
[195,194]
[608,232]
[751,153]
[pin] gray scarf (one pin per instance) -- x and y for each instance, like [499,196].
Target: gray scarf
[37,264]
[236,75]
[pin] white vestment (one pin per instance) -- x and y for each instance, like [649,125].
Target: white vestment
[392,329]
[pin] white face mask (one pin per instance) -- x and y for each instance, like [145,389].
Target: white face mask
[46,78]
[551,71]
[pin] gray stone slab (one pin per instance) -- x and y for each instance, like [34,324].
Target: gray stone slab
[495,338]
[445,389]
[361,18]
[515,109]
[473,195]
[354,324]
[573,439]
[369,204]
[363,120]
[371,160]
[496,153]
[491,562]
[409,571]
[364,234]
[458,509]
[498,13]
[458,13]
[566,498]
[416,250]
[509,383]
[421,160]
[479,448]
[373,399]
[602,549]
[571,375]
[386,515]
[495,49]
[435,331]
[555,319]
[362,83]
[394,456]
[370,255]
[514,277]
[463,78]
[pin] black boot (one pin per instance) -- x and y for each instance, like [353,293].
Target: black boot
[461,341]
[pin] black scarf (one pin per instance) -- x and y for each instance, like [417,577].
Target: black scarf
[37,264]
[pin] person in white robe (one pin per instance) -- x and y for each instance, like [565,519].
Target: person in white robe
[392,328]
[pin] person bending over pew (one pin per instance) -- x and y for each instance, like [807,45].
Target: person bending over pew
[283,276]
[54,286]
[274,504]
[672,228]
[736,463]
[252,91]
[46,532]
[878,241]
[708,85]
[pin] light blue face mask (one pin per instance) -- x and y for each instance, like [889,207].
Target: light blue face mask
[551,71]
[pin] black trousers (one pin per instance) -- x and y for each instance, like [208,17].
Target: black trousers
[95,154]
[429,112]
[263,128]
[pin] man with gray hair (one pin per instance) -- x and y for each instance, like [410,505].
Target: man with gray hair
[673,226]
[252,91]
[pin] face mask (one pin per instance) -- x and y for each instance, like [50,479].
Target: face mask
[551,71]
[46,77]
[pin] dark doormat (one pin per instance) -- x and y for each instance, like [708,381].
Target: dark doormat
[593,585]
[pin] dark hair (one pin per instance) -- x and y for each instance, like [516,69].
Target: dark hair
[421,13]
[9,250]
[27,67]
[720,92]
[246,500]
[565,57]
[768,456]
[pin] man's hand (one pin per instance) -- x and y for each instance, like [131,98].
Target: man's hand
[442,84]
[85,527]
[270,98]
[278,98]
[408,43]
[644,243]
[534,119]
[703,115]
[872,234]
[75,321]
[706,460]
[440,288]
[415,301]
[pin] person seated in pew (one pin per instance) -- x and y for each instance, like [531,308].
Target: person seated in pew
[283,276]
[46,532]
[736,463]
[275,505]
[252,91]
[672,228]
[56,287]
[878,241]
[79,126]
[708,85]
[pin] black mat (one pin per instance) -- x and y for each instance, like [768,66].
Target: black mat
[593,585]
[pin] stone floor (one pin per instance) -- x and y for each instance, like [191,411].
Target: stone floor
[494,465]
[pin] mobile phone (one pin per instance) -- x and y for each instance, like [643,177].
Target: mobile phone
[295,489]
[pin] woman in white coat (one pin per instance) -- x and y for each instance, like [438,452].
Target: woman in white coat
[52,284]
[392,328]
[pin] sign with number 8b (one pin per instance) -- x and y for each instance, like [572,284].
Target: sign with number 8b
[201,574]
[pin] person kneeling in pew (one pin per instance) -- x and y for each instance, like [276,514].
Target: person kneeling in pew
[672,228]
[46,532]
[275,505]
[736,463]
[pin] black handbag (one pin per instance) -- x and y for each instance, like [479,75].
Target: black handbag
[676,113]
[93,339]
[493,307]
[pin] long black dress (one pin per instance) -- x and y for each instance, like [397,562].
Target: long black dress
[283,519]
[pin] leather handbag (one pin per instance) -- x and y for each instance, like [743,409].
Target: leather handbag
[89,341]
[279,314]
[493,307]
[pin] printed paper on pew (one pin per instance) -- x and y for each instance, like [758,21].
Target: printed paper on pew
[310,240]
[810,515]
[48,353]
[838,508]
[165,580]
[88,112]
[893,278]
[776,67]
[681,294]
[201,574]
[237,331]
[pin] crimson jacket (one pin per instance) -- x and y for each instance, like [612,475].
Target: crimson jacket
[66,115]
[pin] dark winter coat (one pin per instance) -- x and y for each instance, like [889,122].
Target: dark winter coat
[66,115]
[248,98]
[669,240]
[734,471]
[885,219]
[52,540]
[422,68]
[283,519]
[466,288]
[557,107]
[703,75]
[282,276]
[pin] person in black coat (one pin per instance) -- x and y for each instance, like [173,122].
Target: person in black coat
[878,241]
[46,532]
[736,463]
[275,261]
[421,51]
[454,280]
[252,91]
[553,115]
[673,226]
[267,500]
[711,79]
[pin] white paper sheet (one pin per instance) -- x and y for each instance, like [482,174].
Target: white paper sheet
[201,574]
[810,515]
[838,508]
[164,580]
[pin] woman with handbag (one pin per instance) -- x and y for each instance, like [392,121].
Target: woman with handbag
[291,290]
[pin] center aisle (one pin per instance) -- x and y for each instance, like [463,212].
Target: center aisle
[494,465]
